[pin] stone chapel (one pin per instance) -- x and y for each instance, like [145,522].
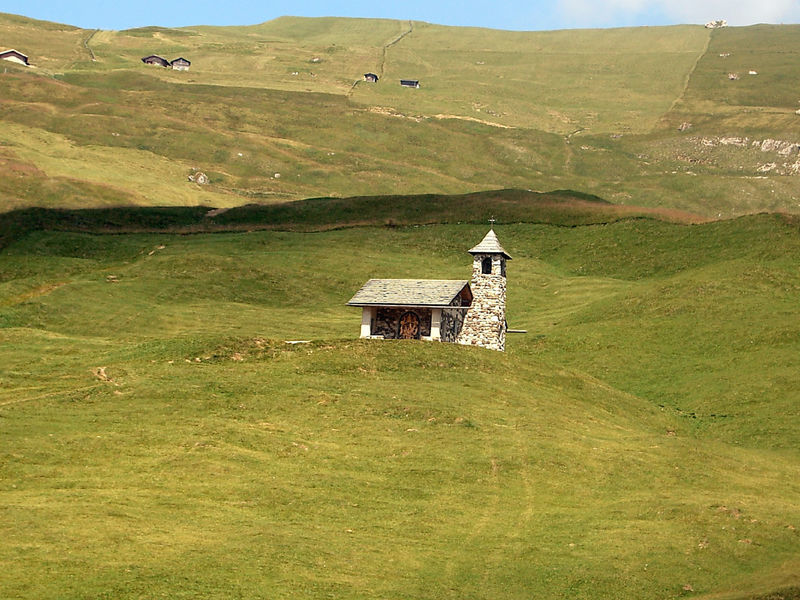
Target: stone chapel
[457,311]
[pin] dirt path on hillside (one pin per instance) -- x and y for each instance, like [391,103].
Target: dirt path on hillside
[386,47]
[568,148]
[42,290]
[86,45]
[688,77]
[382,64]
[66,393]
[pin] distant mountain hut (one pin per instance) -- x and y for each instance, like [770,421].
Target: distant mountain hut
[180,64]
[154,59]
[14,56]
[371,77]
[411,83]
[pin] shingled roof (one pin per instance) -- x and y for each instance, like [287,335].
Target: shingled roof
[490,245]
[433,293]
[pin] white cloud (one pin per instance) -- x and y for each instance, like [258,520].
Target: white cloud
[655,12]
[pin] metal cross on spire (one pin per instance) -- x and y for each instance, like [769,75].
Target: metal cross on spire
[492,221]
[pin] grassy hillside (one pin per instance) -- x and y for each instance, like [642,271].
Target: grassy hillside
[618,80]
[305,55]
[162,438]
[277,112]
[50,46]
[320,214]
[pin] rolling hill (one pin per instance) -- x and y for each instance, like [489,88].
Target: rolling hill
[278,112]
[161,437]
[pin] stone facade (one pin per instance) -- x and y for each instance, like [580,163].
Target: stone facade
[485,322]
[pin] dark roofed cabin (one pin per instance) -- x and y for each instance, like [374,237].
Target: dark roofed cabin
[412,83]
[371,77]
[428,309]
[180,64]
[14,56]
[154,59]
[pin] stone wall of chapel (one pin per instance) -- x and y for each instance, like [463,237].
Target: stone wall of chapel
[485,322]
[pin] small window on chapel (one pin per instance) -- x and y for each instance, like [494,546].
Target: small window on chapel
[486,266]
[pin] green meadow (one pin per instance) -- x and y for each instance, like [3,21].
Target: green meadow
[162,437]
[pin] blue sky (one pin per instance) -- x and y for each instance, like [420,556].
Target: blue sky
[512,14]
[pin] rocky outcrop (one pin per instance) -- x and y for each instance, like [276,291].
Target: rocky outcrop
[781,147]
[787,150]
[724,141]
[199,178]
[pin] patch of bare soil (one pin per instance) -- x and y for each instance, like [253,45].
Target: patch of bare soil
[475,120]
[391,112]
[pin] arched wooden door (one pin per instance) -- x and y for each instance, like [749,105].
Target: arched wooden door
[409,327]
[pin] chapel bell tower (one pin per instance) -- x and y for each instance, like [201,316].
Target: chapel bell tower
[485,322]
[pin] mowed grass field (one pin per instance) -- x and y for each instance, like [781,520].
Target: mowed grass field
[278,112]
[160,437]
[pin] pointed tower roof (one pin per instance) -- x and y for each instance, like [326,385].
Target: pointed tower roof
[490,245]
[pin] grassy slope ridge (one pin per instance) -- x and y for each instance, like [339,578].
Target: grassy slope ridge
[275,112]
[151,407]
[319,214]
